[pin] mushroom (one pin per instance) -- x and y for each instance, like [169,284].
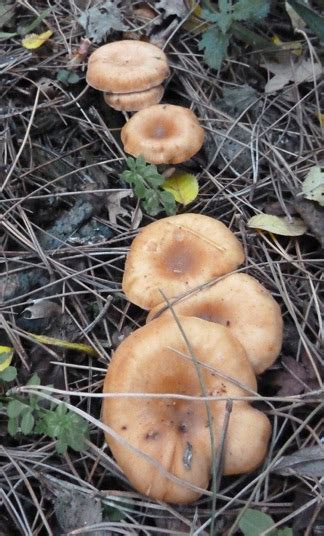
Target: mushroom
[175,432]
[177,254]
[246,307]
[163,134]
[132,102]
[125,67]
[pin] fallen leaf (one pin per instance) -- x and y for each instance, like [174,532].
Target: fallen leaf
[313,216]
[183,186]
[313,185]
[277,225]
[321,119]
[303,71]
[42,309]
[295,47]
[100,20]
[81,347]
[254,522]
[295,377]
[33,41]
[113,204]
[296,21]
[305,462]
[6,354]
[7,12]
[172,7]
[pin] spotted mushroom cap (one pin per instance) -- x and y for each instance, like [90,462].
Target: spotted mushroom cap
[176,254]
[163,134]
[127,66]
[176,433]
[132,102]
[246,307]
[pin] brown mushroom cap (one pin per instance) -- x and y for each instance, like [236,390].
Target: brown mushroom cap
[175,432]
[127,66]
[163,134]
[132,102]
[176,254]
[244,305]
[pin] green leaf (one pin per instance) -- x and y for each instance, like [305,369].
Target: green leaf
[254,523]
[34,380]
[24,30]
[13,427]
[168,202]
[314,20]
[277,225]
[151,203]
[9,374]
[6,354]
[27,423]
[100,20]
[285,532]
[15,408]
[251,10]
[214,44]
[313,185]
[67,77]
[7,12]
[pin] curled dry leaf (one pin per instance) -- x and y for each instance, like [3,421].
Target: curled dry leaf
[42,309]
[305,462]
[114,204]
[303,71]
[277,225]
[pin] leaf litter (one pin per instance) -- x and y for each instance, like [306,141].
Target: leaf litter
[60,244]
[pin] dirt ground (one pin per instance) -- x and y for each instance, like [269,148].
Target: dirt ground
[67,222]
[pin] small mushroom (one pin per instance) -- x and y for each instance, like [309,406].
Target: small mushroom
[174,431]
[246,307]
[132,102]
[163,134]
[127,66]
[176,254]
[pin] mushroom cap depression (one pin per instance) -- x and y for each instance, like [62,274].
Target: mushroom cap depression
[132,102]
[176,432]
[163,134]
[244,305]
[127,66]
[177,254]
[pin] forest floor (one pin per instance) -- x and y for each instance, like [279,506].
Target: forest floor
[67,222]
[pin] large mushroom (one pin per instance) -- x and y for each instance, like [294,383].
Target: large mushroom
[173,430]
[128,67]
[177,254]
[163,134]
[242,304]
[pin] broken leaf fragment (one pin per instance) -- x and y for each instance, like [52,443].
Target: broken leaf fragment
[81,347]
[313,185]
[6,354]
[183,186]
[278,225]
[33,41]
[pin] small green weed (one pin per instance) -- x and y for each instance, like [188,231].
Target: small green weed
[146,181]
[26,415]
[225,22]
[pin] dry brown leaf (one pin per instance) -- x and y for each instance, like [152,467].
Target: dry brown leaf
[303,71]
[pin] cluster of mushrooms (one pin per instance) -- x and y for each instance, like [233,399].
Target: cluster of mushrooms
[202,346]
[130,73]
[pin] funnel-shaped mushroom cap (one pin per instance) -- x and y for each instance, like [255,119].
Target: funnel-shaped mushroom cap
[240,302]
[174,431]
[127,66]
[132,102]
[163,134]
[177,254]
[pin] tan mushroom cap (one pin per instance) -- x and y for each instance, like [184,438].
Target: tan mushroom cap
[127,66]
[163,134]
[175,432]
[244,305]
[176,254]
[132,102]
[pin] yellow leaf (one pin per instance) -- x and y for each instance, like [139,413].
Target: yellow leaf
[6,354]
[183,186]
[32,41]
[321,119]
[64,344]
[292,46]
[276,225]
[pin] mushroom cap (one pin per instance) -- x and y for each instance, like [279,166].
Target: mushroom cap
[163,134]
[176,254]
[175,432]
[127,66]
[132,102]
[246,307]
